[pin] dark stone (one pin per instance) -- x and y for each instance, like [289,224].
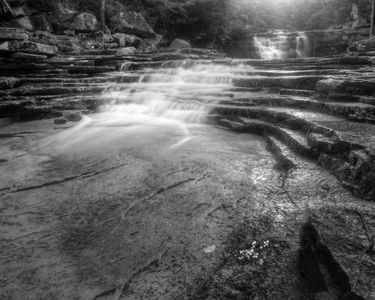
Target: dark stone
[85,22]
[312,254]
[131,22]
[21,11]
[62,17]
[322,143]
[74,116]
[102,37]
[8,82]
[7,34]
[340,278]
[63,43]
[23,22]
[309,268]
[126,40]
[346,86]
[60,121]
[41,22]
[126,51]
[297,82]
[28,47]
[363,45]
[90,69]
[180,44]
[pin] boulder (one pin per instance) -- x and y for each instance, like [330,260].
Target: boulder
[23,22]
[327,86]
[7,34]
[74,116]
[151,45]
[126,51]
[62,17]
[61,121]
[85,22]
[102,37]
[180,44]
[126,40]
[27,47]
[156,41]
[21,11]
[131,23]
[41,22]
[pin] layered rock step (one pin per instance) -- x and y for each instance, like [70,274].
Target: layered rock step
[346,148]
[320,109]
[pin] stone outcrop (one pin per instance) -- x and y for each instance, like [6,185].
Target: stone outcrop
[346,86]
[126,51]
[7,34]
[126,40]
[27,47]
[23,22]
[62,18]
[41,22]
[131,23]
[180,44]
[85,22]
[363,46]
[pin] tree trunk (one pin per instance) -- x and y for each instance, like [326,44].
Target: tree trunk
[372,19]
[6,8]
[102,13]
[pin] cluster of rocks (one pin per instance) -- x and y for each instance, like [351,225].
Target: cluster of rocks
[33,31]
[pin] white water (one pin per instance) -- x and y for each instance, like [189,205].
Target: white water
[173,92]
[272,47]
[303,45]
[173,98]
[278,45]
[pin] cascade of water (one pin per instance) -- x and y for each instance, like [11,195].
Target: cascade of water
[272,47]
[282,45]
[303,45]
[177,90]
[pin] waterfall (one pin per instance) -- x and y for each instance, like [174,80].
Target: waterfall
[282,45]
[303,45]
[175,90]
[272,47]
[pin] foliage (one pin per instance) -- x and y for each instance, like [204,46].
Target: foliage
[222,22]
